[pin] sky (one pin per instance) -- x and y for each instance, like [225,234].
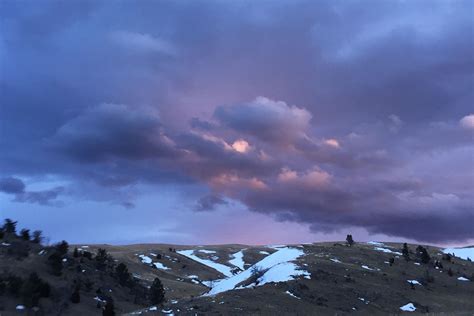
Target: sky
[210,122]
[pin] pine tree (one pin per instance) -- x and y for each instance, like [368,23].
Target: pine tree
[76,296]
[37,236]
[425,257]
[157,292]
[9,226]
[349,240]
[62,248]
[405,252]
[450,272]
[109,309]
[55,261]
[123,275]
[75,253]
[25,234]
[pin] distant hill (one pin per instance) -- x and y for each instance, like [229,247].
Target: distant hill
[310,279]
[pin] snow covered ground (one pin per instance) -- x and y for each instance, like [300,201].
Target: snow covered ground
[462,253]
[225,270]
[238,259]
[278,269]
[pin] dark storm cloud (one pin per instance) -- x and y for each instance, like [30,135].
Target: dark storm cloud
[111,131]
[11,185]
[320,112]
[17,187]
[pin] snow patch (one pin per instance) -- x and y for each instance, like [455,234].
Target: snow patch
[206,251]
[386,250]
[368,268]
[375,243]
[159,265]
[264,252]
[293,295]
[225,270]
[20,307]
[408,307]
[278,268]
[414,282]
[463,253]
[238,259]
[145,259]
[335,260]
[463,279]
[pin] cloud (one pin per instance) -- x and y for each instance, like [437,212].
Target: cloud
[110,131]
[142,42]
[467,121]
[11,185]
[263,118]
[210,202]
[16,187]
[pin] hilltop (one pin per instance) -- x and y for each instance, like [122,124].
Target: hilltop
[303,279]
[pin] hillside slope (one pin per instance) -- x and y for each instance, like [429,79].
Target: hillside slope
[309,279]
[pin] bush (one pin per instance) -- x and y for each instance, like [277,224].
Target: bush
[157,292]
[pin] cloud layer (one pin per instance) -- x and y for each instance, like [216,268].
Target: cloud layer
[319,113]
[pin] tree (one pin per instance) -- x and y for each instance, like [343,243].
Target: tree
[62,248]
[349,240]
[76,296]
[157,292]
[450,272]
[423,253]
[25,234]
[75,253]
[391,261]
[33,289]
[405,252]
[9,226]
[37,236]
[55,261]
[109,309]
[101,257]
[124,277]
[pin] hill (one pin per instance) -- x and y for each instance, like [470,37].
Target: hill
[310,279]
